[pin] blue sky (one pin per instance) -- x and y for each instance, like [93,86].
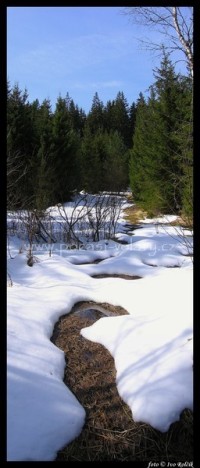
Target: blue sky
[79,50]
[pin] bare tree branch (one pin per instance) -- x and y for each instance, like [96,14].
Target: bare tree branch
[175,23]
[185,40]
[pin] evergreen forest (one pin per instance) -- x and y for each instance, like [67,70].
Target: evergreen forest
[147,146]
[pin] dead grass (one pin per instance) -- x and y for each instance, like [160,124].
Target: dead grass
[110,433]
[186,223]
[133,214]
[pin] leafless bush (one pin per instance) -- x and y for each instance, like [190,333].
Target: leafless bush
[104,216]
[87,218]
[71,221]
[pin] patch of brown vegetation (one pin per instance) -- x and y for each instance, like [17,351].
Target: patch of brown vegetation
[109,433]
[186,223]
[134,214]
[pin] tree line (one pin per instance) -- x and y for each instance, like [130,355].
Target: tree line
[147,145]
[65,151]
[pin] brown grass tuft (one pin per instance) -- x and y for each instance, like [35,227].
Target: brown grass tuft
[134,214]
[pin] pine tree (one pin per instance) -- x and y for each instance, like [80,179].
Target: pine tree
[115,165]
[156,168]
[121,117]
[65,150]
[108,116]
[116,118]
[140,146]
[95,118]
[44,159]
[132,119]
[184,139]
[170,94]
[78,118]
[91,163]
[35,123]
[20,142]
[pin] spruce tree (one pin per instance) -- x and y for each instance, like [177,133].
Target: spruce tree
[115,165]
[78,118]
[116,118]
[121,117]
[132,119]
[184,139]
[44,160]
[171,91]
[95,118]
[156,168]
[20,143]
[65,149]
[91,146]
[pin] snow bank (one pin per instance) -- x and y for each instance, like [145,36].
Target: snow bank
[152,347]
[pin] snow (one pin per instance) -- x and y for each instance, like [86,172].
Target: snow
[153,356]
[161,219]
[151,347]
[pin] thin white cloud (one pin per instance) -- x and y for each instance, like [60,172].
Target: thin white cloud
[96,85]
[73,55]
